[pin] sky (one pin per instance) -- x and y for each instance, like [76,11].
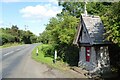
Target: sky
[32,14]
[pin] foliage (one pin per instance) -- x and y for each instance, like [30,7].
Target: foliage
[60,33]
[61,29]
[13,34]
[109,12]
[5,38]
[110,15]
[47,60]
[112,23]
[43,37]
[74,8]
[41,56]
[48,51]
[98,8]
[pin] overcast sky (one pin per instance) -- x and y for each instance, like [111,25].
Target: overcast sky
[32,13]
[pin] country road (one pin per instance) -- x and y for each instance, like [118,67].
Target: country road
[17,63]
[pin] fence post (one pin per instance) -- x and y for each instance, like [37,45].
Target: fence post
[55,57]
[37,52]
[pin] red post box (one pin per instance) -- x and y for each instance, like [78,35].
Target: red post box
[88,54]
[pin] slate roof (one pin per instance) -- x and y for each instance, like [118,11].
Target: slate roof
[95,30]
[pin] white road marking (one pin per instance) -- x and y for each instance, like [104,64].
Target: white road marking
[8,53]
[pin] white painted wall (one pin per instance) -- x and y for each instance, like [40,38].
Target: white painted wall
[97,60]
[103,63]
[82,59]
[104,56]
[93,56]
[82,54]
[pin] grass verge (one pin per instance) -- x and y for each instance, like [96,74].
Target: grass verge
[47,60]
[10,45]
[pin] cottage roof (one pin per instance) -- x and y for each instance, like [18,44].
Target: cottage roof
[94,28]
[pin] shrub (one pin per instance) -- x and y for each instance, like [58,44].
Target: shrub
[69,54]
[5,38]
[48,50]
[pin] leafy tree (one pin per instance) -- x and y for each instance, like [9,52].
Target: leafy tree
[98,8]
[44,37]
[5,38]
[74,8]
[13,34]
[29,37]
[112,23]
[60,33]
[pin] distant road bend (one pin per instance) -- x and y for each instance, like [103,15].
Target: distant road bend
[17,63]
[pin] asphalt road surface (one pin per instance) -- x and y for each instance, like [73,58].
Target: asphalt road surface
[17,63]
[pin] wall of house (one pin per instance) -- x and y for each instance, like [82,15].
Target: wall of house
[93,56]
[103,58]
[82,59]
[99,58]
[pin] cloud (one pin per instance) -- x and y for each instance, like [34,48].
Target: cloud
[40,11]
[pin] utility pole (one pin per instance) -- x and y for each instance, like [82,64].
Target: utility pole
[26,27]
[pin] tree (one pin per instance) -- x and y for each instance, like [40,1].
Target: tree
[60,33]
[112,23]
[44,37]
[98,8]
[74,8]
[13,34]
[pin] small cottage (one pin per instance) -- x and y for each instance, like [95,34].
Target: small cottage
[93,48]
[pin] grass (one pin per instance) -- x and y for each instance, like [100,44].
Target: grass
[10,45]
[48,60]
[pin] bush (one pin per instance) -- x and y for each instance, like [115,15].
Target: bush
[5,38]
[48,50]
[69,54]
